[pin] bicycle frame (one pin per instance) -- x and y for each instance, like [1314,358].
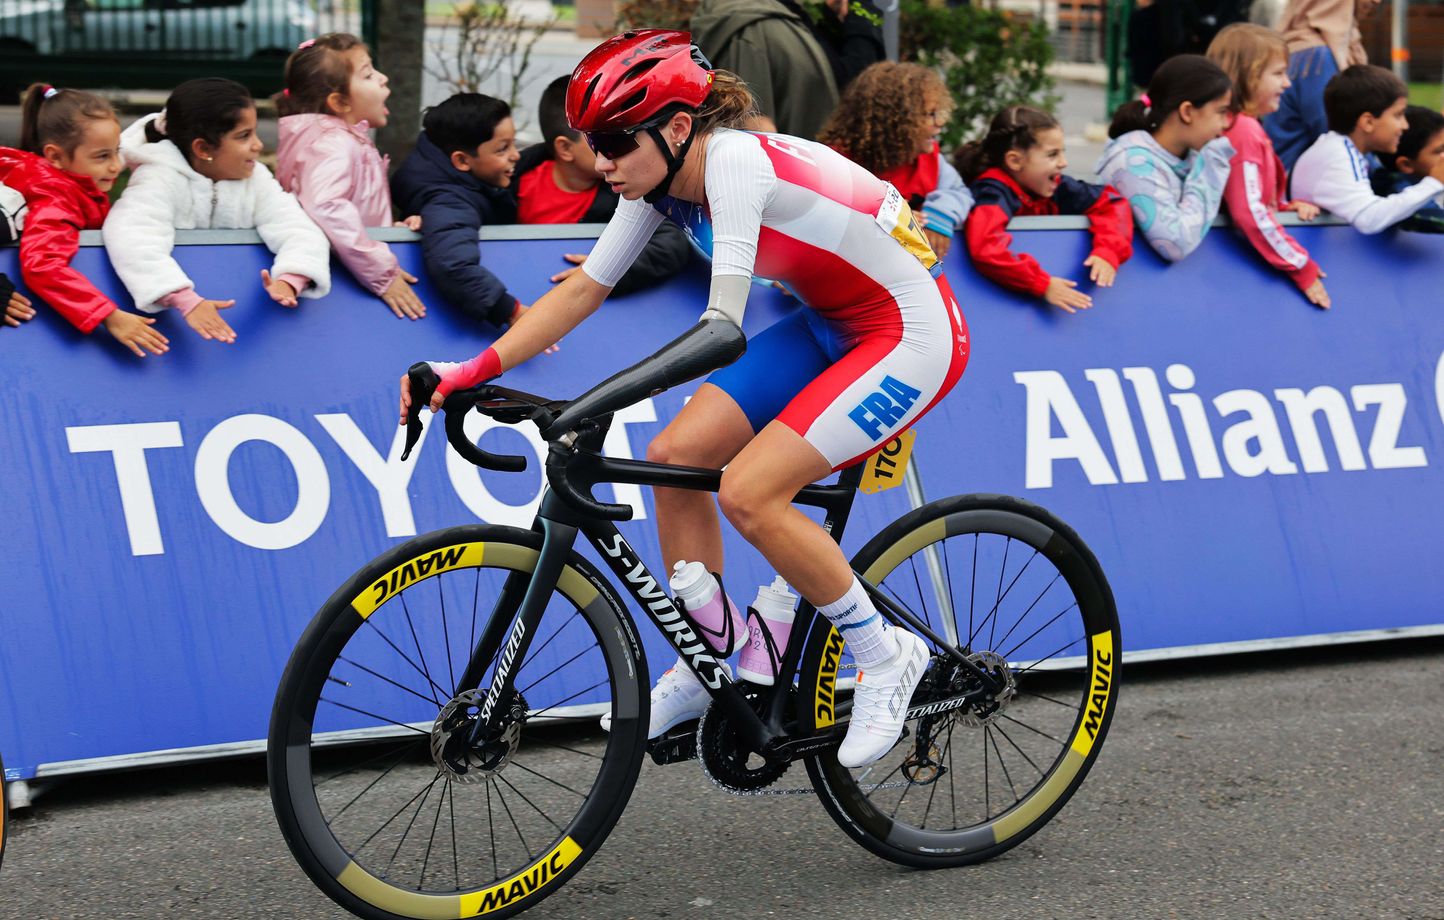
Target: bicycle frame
[560,523]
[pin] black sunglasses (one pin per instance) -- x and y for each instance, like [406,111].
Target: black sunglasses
[613,145]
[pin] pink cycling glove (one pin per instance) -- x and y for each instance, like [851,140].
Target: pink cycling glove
[461,376]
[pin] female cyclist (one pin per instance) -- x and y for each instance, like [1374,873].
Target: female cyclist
[880,341]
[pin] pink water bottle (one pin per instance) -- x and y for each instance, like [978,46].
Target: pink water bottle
[769,623]
[714,613]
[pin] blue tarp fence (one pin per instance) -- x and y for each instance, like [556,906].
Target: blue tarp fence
[1250,471]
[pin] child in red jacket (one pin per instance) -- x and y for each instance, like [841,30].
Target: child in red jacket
[1016,170]
[70,159]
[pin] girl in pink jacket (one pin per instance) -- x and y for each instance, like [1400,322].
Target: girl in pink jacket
[325,157]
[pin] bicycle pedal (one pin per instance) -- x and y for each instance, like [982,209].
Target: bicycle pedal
[676,745]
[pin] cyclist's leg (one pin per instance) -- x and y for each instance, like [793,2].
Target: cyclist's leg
[724,415]
[911,356]
[708,432]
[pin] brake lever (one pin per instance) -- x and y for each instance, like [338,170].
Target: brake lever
[424,382]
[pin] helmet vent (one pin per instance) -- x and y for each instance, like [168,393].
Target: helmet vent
[640,69]
[633,100]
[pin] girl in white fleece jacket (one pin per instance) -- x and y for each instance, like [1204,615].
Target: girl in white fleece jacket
[194,166]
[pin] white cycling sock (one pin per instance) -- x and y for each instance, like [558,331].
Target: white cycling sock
[866,633]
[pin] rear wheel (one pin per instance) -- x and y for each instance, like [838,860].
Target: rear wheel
[381,794]
[1017,590]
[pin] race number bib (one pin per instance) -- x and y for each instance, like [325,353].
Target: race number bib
[896,218]
[885,468]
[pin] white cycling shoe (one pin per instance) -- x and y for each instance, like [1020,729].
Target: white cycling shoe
[880,702]
[678,697]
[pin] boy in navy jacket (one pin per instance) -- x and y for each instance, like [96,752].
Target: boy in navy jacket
[457,179]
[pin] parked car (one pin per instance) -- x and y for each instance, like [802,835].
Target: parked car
[226,30]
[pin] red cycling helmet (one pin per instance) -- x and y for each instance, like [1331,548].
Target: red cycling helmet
[629,79]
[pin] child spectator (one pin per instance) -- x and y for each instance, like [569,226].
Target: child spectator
[1016,170]
[457,179]
[334,96]
[195,167]
[69,160]
[557,183]
[1366,115]
[17,305]
[1257,61]
[1167,157]
[1420,150]
[888,123]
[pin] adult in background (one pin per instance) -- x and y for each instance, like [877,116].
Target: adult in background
[795,55]
[1323,38]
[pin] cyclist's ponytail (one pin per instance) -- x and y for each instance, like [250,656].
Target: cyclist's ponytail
[1015,128]
[729,104]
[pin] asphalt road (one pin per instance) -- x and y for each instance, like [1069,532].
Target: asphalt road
[1306,784]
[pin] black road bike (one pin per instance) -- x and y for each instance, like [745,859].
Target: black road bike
[434,748]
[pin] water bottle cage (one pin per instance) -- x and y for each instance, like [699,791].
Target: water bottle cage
[774,656]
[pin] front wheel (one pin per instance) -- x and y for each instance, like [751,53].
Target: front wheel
[1016,589]
[385,800]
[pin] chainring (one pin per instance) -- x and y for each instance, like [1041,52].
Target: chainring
[724,763]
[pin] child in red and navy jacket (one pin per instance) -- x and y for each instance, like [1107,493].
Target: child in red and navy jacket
[1016,170]
[70,159]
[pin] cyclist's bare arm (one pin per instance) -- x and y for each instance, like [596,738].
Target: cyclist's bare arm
[555,313]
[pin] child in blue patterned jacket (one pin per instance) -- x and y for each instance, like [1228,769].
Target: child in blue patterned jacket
[1168,157]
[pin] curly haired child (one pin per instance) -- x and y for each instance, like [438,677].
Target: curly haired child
[888,123]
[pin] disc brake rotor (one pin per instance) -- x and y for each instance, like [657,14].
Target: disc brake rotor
[451,747]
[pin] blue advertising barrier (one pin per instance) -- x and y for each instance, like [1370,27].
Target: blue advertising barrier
[1249,470]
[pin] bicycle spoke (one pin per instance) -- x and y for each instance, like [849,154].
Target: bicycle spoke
[406,749]
[952,790]
[988,733]
[406,609]
[514,826]
[1008,738]
[395,816]
[394,764]
[1044,696]
[987,800]
[1051,655]
[952,597]
[558,667]
[532,655]
[1004,715]
[525,768]
[373,715]
[370,621]
[569,699]
[973,589]
[912,562]
[475,601]
[379,676]
[990,617]
[1010,651]
[545,816]
[563,747]
[942,763]
[426,861]
[1024,615]
[445,632]
[410,824]
[455,853]
[491,832]
[997,598]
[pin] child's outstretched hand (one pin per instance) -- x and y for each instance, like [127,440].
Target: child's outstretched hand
[281,292]
[401,298]
[1303,209]
[1317,295]
[412,223]
[135,333]
[518,313]
[1063,293]
[576,258]
[1101,271]
[941,244]
[18,310]
[205,318]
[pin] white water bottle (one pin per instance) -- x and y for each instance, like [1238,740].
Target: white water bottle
[722,626]
[769,624]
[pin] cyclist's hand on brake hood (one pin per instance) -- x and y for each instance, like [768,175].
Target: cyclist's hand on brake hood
[454,377]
